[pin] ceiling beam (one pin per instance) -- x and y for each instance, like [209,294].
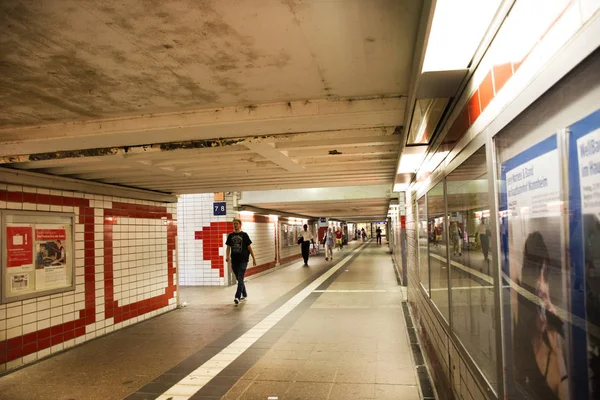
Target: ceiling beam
[228,122]
[280,158]
[27,178]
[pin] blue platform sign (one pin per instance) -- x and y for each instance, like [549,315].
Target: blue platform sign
[219,208]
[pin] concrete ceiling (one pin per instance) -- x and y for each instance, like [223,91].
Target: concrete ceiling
[346,203]
[207,95]
[347,210]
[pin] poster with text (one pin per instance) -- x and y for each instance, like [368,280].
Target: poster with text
[584,235]
[19,283]
[51,256]
[19,246]
[532,260]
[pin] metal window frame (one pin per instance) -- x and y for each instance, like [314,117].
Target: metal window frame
[440,177]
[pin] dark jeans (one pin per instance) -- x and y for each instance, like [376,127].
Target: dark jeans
[305,250]
[239,269]
[379,239]
[485,244]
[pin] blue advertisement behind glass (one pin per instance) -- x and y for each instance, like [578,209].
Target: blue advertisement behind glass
[584,231]
[535,277]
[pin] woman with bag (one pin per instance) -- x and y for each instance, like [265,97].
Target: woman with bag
[328,239]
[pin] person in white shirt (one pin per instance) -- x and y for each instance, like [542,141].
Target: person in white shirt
[329,243]
[483,230]
[307,237]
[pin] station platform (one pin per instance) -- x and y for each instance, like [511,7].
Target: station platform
[333,330]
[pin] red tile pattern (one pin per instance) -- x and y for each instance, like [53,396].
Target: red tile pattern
[20,346]
[212,240]
[260,268]
[125,312]
[212,237]
[486,91]
[30,343]
[502,73]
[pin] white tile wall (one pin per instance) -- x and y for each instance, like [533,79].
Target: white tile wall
[262,235]
[196,212]
[139,259]
[140,268]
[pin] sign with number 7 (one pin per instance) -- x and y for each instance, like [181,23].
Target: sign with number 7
[219,208]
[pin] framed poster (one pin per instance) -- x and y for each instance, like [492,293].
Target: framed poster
[37,254]
[584,249]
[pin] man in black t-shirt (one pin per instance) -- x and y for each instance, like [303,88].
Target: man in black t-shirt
[239,250]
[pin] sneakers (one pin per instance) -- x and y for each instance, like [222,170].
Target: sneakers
[243,298]
[326,259]
[236,301]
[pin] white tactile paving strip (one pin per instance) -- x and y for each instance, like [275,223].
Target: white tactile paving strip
[197,379]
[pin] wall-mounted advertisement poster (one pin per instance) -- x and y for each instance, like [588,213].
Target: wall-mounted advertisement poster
[536,301]
[18,242]
[51,260]
[584,234]
[37,254]
[19,256]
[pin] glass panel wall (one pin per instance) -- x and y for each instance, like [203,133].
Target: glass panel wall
[438,262]
[423,233]
[471,280]
[534,264]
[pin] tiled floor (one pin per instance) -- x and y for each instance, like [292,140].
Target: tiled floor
[333,333]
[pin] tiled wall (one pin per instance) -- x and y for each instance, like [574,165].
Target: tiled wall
[201,240]
[125,272]
[262,233]
[261,230]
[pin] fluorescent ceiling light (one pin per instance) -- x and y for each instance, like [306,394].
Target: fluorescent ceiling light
[457,30]
[411,159]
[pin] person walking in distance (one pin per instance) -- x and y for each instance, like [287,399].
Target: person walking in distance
[329,243]
[338,238]
[307,238]
[239,250]
[378,232]
[483,229]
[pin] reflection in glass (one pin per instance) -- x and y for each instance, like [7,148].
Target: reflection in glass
[426,115]
[423,236]
[438,263]
[537,299]
[470,262]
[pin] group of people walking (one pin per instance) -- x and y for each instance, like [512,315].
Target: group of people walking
[332,239]
[239,249]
